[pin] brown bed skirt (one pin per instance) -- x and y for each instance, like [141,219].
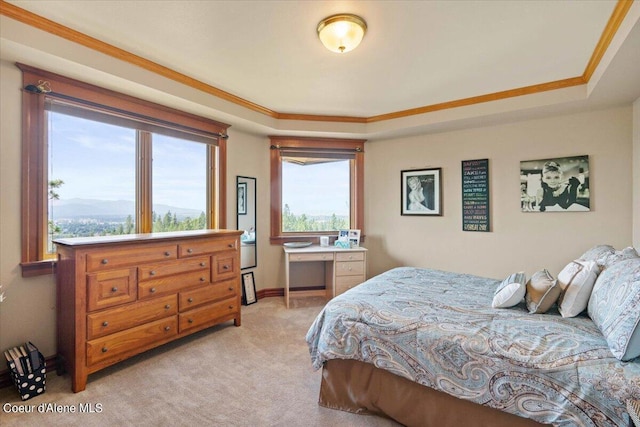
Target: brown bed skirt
[361,388]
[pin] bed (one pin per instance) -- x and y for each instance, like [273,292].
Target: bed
[426,347]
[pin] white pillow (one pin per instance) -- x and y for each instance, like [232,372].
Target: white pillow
[576,281]
[511,291]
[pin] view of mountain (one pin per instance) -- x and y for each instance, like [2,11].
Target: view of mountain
[91,208]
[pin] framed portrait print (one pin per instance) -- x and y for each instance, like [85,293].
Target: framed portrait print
[421,192]
[242,198]
[248,289]
[555,185]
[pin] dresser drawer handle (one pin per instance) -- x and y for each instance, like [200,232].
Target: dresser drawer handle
[152,290]
[104,261]
[167,253]
[230,307]
[105,323]
[202,279]
[189,251]
[167,307]
[231,245]
[167,328]
[230,288]
[202,264]
[350,257]
[225,267]
[190,300]
[114,289]
[190,320]
[105,349]
[152,273]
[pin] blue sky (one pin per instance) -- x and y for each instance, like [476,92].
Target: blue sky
[84,153]
[97,161]
[320,189]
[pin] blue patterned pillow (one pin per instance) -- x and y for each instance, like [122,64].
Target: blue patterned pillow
[598,253]
[614,307]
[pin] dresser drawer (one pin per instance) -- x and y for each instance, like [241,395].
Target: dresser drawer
[216,291]
[109,288]
[208,246]
[108,259]
[350,268]
[172,284]
[117,319]
[207,314]
[158,270]
[344,283]
[131,341]
[224,266]
[350,256]
[318,256]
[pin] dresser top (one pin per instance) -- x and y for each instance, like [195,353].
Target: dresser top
[144,237]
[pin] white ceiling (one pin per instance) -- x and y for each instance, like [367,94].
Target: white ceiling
[415,53]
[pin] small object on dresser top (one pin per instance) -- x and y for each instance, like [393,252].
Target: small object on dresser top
[297,244]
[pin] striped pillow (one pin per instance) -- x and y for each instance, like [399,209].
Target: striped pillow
[510,292]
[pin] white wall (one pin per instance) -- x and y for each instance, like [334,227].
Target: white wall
[29,311]
[519,241]
[636,174]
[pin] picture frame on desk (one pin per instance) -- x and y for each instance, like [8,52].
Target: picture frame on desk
[248,289]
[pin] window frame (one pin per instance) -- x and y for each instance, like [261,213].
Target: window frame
[34,161]
[326,146]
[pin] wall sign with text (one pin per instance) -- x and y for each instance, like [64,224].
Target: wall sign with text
[475,195]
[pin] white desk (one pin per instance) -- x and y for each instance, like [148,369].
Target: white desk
[343,269]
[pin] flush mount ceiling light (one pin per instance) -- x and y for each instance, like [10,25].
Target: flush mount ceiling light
[341,33]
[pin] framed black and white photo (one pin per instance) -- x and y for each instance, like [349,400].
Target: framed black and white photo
[421,192]
[242,198]
[555,185]
[248,289]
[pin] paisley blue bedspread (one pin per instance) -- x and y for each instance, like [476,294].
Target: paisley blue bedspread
[438,328]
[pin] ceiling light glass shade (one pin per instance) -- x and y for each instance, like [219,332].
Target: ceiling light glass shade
[341,33]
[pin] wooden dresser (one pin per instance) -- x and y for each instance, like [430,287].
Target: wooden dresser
[118,296]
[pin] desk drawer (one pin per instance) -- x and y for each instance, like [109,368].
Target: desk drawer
[344,283]
[350,256]
[318,256]
[350,268]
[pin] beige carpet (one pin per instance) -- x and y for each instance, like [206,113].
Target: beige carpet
[259,374]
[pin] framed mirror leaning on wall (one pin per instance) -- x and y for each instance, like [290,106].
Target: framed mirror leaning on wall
[246,215]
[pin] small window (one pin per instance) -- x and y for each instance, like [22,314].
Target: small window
[316,188]
[316,194]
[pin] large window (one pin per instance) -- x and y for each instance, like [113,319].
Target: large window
[96,162]
[316,187]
